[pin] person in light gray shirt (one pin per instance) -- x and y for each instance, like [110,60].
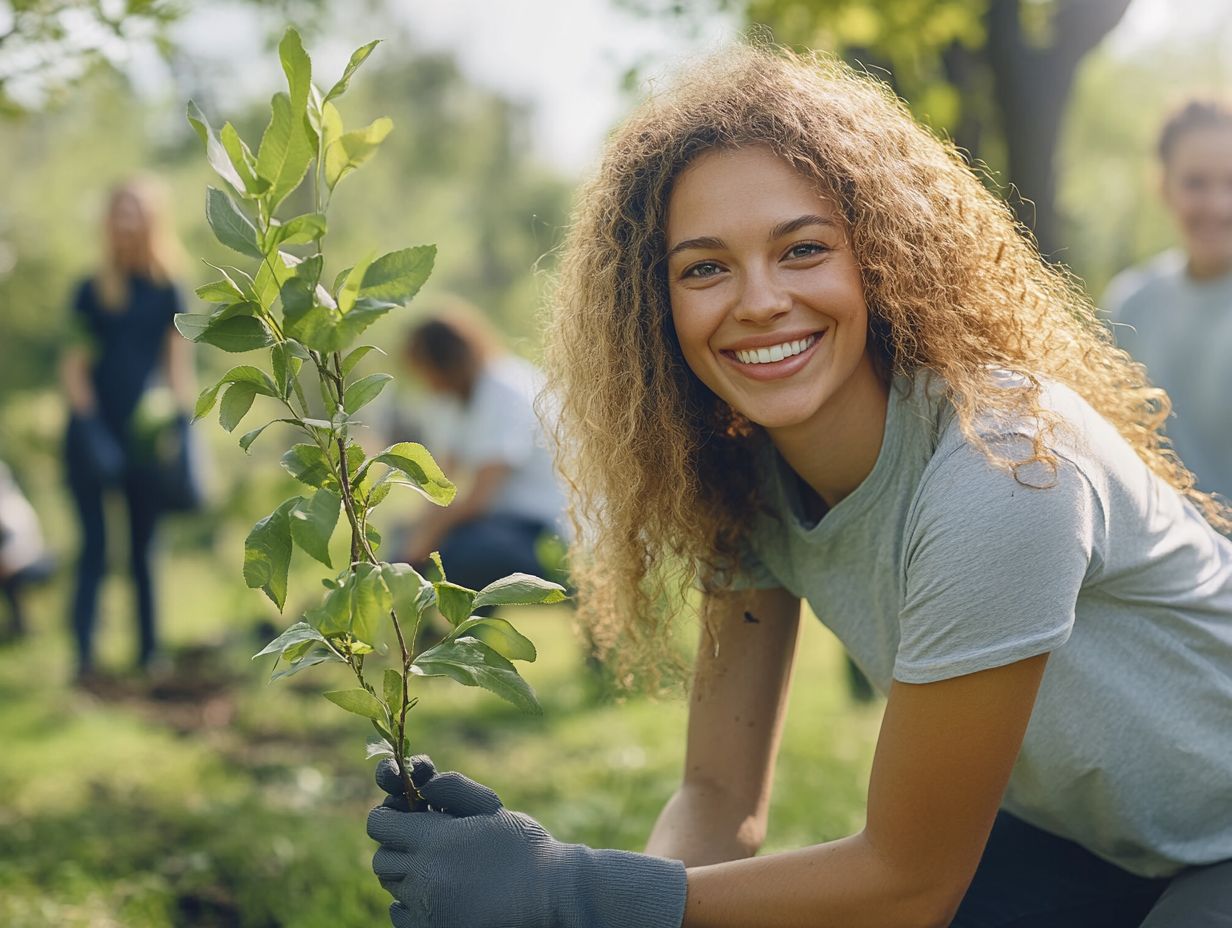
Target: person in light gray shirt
[1174,313]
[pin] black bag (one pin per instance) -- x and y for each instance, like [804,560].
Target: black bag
[176,468]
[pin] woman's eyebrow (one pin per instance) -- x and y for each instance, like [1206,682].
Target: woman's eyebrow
[705,241]
[783,228]
[800,222]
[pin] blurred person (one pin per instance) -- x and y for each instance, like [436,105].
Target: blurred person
[481,424]
[24,559]
[1174,313]
[124,339]
[803,355]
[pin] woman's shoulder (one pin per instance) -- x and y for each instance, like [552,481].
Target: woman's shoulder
[1063,423]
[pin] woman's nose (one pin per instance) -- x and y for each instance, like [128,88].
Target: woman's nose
[763,298]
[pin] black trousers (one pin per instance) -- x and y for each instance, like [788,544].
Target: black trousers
[1029,878]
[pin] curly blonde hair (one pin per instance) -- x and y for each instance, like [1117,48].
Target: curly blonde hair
[660,468]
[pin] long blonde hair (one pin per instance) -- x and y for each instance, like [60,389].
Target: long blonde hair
[160,256]
[660,468]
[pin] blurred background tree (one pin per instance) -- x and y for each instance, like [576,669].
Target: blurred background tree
[995,75]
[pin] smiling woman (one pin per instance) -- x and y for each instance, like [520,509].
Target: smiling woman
[802,355]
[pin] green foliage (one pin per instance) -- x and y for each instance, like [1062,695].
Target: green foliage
[309,330]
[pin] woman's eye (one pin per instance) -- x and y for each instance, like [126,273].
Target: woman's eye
[702,269]
[805,250]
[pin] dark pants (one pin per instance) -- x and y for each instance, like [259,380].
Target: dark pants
[490,547]
[88,494]
[1029,878]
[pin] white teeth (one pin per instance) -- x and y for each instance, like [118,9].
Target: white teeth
[774,352]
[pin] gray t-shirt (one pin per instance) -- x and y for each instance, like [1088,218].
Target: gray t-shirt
[941,564]
[1181,329]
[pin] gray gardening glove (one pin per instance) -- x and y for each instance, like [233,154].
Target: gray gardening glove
[471,863]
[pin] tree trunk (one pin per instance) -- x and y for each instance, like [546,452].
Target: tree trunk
[1032,81]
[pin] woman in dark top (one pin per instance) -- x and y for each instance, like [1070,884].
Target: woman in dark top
[122,320]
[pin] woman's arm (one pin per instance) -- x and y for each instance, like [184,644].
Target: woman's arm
[439,522]
[75,380]
[736,715]
[943,759]
[179,370]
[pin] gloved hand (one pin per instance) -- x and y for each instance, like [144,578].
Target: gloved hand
[470,863]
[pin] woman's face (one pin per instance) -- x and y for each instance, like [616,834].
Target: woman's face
[1198,191]
[128,230]
[766,295]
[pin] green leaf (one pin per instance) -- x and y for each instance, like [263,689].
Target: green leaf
[333,616]
[296,634]
[349,290]
[322,327]
[235,404]
[315,104]
[318,656]
[237,278]
[473,663]
[393,689]
[397,276]
[364,391]
[246,373]
[519,590]
[230,225]
[267,553]
[279,268]
[286,149]
[455,602]
[313,521]
[297,231]
[414,462]
[308,464]
[500,636]
[378,493]
[373,536]
[371,603]
[348,151]
[380,748]
[238,334]
[205,401]
[231,310]
[349,362]
[359,701]
[244,162]
[298,68]
[249,437]
[357,58]
[286,366]
[220,291]
[407,588]
[215,153]
[234,334]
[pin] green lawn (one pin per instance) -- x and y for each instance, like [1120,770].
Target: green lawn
[228,801]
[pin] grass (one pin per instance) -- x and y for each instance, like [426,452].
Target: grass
[218,799]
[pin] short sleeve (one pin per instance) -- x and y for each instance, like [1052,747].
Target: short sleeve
[993,568]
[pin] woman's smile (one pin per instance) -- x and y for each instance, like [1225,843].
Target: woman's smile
[780,358]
